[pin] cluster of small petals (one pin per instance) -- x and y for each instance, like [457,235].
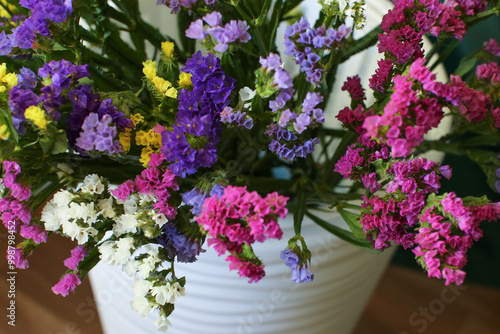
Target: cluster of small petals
[300,272]
[229,33]
[241,217]
[355,163]
[380,79]
[196,197]
[353,86]
[66,285]
[442,243]
[304,44]
[176,5]
[492,47]
[353,119]
[253,271]
[77,255]
[42,11]
[192,143]
[99,135]
[406,118]
[285,144]
[489,72]
[238,118]
[178,245]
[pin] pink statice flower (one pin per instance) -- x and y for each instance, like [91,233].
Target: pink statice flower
[16,257]
[237,219]
[66,285]
[448,229]
[77,255]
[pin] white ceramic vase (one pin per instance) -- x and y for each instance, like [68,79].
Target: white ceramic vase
[217,301]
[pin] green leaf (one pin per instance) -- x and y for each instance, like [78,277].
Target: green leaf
[342,234]
[353,222]
[55,141]
[299,210]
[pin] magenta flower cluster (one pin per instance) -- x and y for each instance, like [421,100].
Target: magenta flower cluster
[16,215]
[238,219]
[304,44]
[413,112]
[152,181]
[234,31]
[405,25]
[448,230]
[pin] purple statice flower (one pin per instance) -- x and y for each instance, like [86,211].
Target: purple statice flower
[178,245]
[300,272]
[19,100]
[234,31]
[66,285]
[176,5]
[353,86]
[196,197]
[98,135]
[492,47]
[42,11]
[238,118]
[303,43]
[286,117]
[192,143]
[77,255]
[26,79]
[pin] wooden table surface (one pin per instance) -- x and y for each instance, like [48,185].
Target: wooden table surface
[405,302]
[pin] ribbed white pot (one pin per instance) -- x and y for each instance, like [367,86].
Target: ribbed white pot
[217,301]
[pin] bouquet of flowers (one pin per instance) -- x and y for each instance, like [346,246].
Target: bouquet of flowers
[143,148]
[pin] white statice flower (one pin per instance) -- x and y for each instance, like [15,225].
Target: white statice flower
[145,199]
[92,184]
[167,293]
[159,219]
[70,228]
[125,223]
[130,267]
[62,198]
[106,208]
[141,287]
[148,264]
[50,218]
[84,233]
[246,94]
[116,252]
[124,248]
[141,305]
[162,323]
[107,250]
[131,204]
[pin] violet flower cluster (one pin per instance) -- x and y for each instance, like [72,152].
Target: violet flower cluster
[192,143]
[24,36]
[234,31]
[300,271]
[305,44]
[177,5]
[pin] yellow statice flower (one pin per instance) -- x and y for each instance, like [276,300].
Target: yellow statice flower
[7,78]
[4,133]
[161,84]
[168,49]
[185,80]
[10,79]
[149,69]
[136,118]
[149,138]
[37,116]
[146,155]
[124,138]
